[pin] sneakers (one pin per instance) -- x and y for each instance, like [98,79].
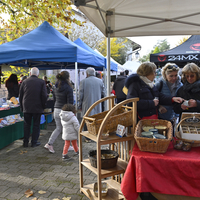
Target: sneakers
[77,153]
[49,147]
[66,157]
[71,148]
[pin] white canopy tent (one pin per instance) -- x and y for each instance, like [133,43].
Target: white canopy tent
[126,18]
[132,66]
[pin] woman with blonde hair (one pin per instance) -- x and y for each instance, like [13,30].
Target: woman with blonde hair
[141,85]
[168,84]
[190,90]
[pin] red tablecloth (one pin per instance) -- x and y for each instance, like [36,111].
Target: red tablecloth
[175,172]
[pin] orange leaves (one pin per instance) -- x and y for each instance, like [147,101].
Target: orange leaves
[28,193]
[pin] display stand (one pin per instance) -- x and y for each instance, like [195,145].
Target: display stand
[12,132]
[122,145]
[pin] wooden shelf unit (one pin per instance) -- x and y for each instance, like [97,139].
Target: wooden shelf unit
[121,145]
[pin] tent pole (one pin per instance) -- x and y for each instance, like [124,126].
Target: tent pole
[76,85]
[108,70]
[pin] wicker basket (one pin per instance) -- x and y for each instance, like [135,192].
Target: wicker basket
[151,144]
[121,116]
[105,163]
[195,143]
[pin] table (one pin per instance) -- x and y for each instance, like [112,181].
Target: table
[174,173]
[15,131]
[12,132]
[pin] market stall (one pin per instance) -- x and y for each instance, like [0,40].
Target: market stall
[173,173]
[12,132]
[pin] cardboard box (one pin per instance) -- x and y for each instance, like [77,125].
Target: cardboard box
[190,127]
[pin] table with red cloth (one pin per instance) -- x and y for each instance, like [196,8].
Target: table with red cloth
[176,172]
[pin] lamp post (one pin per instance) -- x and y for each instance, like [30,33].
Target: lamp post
[137,55]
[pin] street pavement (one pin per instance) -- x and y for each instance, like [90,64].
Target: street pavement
[42,172]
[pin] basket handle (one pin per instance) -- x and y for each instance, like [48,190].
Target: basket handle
[181,122]
[89,118]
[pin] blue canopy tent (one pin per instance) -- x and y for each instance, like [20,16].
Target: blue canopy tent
[113,66]
[47,48]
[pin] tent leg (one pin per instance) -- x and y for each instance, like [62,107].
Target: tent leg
[76,86]
[108,70]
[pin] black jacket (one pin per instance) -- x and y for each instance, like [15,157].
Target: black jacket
[33,95]
[13,91]
[188,91]
[63,95]
[118,86]
[145,106]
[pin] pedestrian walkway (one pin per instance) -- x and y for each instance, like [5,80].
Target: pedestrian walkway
[41,172]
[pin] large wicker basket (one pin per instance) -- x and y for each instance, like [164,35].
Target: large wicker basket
[120,116]
[151,144]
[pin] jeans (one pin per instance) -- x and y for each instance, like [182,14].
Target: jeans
[28,117]
[58,129]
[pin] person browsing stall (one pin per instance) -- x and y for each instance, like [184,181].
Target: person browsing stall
[190,91]
[12,86]
[141,85]
[32,98]
[168,84]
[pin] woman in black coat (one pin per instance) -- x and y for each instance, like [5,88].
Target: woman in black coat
[12,86]
[141,85]
[63,94]
[190,91]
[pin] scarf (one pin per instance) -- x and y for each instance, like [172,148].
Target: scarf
[147,81]
[192,87]
[172,87]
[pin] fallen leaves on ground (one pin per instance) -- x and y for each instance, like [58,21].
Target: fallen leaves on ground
[28,193]
[41,192]
[22,152]
[35,198]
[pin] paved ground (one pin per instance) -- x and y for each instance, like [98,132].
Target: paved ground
[38,170]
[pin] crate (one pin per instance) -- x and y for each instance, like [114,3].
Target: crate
[189,128]
[151,144]
[121,116]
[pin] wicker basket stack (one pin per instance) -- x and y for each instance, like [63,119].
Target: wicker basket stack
[151,144]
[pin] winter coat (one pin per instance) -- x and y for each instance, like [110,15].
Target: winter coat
[164,89]
[33,95]
[145,106]
[63,95]
[70,125]
[91,89]
[118,86]
[188,91]
[13,90]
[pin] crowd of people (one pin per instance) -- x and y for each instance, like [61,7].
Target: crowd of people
[166,99]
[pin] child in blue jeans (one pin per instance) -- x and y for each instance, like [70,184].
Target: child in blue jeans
[70,126]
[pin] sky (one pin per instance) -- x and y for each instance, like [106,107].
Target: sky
[147,42]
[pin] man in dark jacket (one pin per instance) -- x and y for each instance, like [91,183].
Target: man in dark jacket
[118,86]
[32,97]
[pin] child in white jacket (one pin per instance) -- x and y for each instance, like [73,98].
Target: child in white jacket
[70,126]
